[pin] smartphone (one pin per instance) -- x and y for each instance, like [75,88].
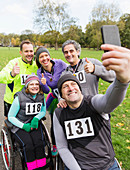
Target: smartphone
[110,35]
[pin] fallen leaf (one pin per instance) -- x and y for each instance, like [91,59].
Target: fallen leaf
[128,141]
[128,147]
[120,124]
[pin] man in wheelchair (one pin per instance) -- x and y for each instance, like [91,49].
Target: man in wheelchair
[26,110]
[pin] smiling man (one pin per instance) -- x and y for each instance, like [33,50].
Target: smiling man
[82,129]
[15,72]
[87,70]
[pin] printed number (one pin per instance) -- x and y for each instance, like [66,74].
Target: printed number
[88,126]
[79,128]
[23,78]
[80,131]
[56,92]
[33,108]
[81,76]
[70,129]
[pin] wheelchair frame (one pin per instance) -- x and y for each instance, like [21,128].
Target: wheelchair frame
[10,148]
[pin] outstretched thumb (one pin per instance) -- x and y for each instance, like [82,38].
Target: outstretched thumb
[42,75]
[86,60]
[16,64]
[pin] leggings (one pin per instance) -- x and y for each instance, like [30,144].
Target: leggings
[32,143]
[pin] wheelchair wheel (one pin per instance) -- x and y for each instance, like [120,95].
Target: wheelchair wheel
[47,146]
[19,158]
[59,163]
[7,149]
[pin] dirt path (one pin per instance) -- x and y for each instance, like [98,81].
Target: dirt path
[2,91]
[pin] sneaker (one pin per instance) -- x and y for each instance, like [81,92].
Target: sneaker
[54,151]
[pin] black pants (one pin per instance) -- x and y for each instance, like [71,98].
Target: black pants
[6,108]
[32,143]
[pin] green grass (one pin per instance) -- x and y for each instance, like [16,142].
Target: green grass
[120,119]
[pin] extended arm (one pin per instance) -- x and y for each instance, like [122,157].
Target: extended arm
[62,146]
[113,97]
[117,59]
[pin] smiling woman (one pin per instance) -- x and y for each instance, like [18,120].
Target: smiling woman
[49,73]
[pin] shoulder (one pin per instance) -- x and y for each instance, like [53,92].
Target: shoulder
[58,112]
[94,61]
[59,61]
[17,94]
[34,64]
[39,70]
[13,61]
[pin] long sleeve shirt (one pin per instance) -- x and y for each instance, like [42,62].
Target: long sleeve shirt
[94,151]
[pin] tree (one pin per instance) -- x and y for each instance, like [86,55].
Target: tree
[106,12]
[51,16]
[75,33]
[102,14]
[124,29]
[1,39]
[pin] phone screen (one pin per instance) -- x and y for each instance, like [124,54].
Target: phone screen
[110,35]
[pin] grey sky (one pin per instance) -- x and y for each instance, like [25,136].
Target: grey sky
[17,15]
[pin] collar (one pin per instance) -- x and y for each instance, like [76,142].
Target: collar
[26,62]
[52,68]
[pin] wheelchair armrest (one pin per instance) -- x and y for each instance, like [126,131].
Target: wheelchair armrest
[8,124]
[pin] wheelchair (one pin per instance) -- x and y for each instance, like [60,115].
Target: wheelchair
[12,153]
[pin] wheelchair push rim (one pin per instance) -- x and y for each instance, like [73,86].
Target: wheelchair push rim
[7,151]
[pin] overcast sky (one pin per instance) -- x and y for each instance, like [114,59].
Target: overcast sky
[17,15]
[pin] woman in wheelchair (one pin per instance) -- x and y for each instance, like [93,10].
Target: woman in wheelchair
[26,110]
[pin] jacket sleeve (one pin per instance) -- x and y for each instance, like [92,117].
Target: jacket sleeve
[45,87]
[42,113]
[102,73]
[111,99]
[5,76]
[62,146]
[14,109]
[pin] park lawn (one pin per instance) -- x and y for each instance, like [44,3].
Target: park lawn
[120,117]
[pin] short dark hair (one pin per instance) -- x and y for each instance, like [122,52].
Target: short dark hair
[24,42]
[76,45]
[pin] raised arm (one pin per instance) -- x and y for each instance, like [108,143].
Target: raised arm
[117,59]
[111,99]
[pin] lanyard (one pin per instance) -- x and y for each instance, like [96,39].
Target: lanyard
[74,68]
[51,77]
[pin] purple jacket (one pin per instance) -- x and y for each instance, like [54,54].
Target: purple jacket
[52,79]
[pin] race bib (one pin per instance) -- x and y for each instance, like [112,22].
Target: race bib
[23,78]
[33,108]
[79,128]
[56,92]
[81,76]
